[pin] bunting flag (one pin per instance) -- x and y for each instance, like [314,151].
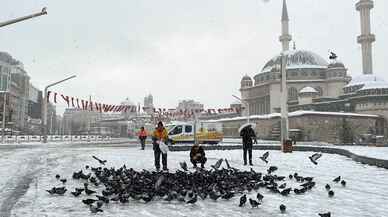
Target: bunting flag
[88,105]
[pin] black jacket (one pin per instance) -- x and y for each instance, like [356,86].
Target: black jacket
[248,136]
[195,151]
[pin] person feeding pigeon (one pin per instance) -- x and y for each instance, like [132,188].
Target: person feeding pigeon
[142,137]
[197,155]
[247,134]
[160,135]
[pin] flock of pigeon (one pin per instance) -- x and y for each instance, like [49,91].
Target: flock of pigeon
[124,184]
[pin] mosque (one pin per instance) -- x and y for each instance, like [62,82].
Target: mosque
[317,85]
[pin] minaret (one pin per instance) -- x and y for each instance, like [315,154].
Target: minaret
[366,38]
[285,38]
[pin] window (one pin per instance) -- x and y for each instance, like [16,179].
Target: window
[292,94]
[176,130]
[188,129]
[294,73]
[314,73]
[320,91]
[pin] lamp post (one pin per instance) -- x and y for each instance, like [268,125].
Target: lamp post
[246,104]
[45,102]
[9,22]
[283,103]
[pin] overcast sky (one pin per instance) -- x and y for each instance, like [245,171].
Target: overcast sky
[176,49]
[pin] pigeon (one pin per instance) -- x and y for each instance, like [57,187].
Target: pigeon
[183,165]
[259,197]
[272,169]
[52,191]
[87,167]
[282,208]
[193,200]
[217,165]
[228,195]
[313,158]
[327,186]
[333,56]
[63,180]
[214,196]
[286,192]
[146,198]
[60,191]
[79,189]
[102,198]
[94,209]
[159,182]
[282,186]
[331,193]
[227,163]
[243,200]
[328,214]
[337,179]
[99,160]
[88,201]
[89,192]
[290,176]
[99,204]
[343,183]
[264,157]
[76,193]
[253,203]
[57,176]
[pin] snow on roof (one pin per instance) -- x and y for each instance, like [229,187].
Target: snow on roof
[308,90]
[365,80]
[296,114]
[379,84]
[297,59]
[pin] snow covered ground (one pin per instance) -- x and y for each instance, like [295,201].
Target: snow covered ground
[26,173]
[369,151]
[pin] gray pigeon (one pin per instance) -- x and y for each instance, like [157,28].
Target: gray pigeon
[315,157]
[159,182]
[183,165]
[264,157]
[218,164]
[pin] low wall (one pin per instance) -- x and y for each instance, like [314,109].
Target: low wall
[329,150]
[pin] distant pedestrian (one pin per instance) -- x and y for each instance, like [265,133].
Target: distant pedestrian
[142,137]
[160,135]
[248,137]
[197,155]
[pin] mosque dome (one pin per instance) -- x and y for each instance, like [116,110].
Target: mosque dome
[246,81]
[246,78]
[297,59]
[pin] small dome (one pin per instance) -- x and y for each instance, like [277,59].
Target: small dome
[308,90]
[297,59]
[128,102]
[246,78]
[336,64]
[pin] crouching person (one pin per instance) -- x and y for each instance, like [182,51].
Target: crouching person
[197,155]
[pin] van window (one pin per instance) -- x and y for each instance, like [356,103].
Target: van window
[176,130]
[188,129]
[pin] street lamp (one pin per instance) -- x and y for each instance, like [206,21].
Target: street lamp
[42,12]
[45,102]
[246,104]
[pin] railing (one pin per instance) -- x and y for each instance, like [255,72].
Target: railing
[55,138]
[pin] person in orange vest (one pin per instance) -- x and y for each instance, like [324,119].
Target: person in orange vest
[160,135]
[142,137]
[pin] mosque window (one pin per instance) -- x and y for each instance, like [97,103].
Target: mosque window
[267,77]
[313,73]
[319,90]
[292,93]
[294,73]
[304,73]
[322,74]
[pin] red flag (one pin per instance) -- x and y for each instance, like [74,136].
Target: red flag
[66,98]
[48,96]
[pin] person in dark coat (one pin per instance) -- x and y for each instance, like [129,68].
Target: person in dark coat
[142,137]
[197,155]
[248,137]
